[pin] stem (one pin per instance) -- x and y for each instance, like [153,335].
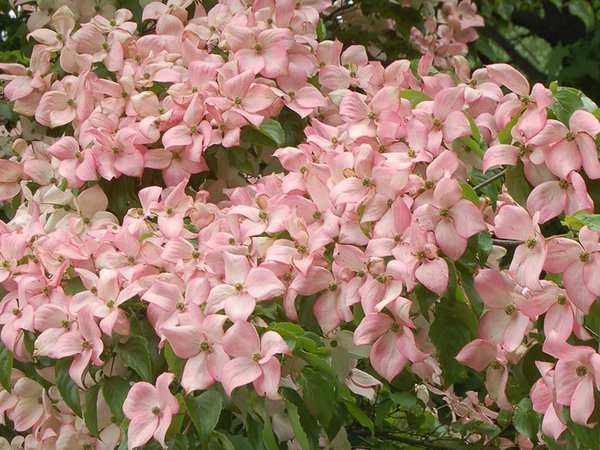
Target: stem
[507,243]
[490,180]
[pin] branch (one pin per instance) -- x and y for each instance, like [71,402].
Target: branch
[507,243]
[532,72]
[490,180]
[426,444]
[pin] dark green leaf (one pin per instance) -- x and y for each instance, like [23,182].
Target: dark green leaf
[204,411]
[299,432]
[6,364]
[69,391]
[135,355]
[526,419]
[90,415]
[114,391]
[583,10]
[319,394]
[179,443]
[516,183]
[273,130]
[454,326]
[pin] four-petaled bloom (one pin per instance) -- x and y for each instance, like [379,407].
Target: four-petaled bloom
[150,411]
[253,360]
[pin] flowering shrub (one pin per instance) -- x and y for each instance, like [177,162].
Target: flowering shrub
[228,232]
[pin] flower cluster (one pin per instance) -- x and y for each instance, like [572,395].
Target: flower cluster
[380,219]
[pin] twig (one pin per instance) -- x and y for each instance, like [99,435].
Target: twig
[507,243]
[490,180]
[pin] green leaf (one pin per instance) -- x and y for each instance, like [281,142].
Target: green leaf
[268,436]
[299,432]
[204,411]
[6,364]
[321,31]
[90,414]
[591,220]
[469,193]
[6,112]
[516,183]
[484,244]
[414,97]
[454,326]
[179,443]
[240,159]
[114,391]
[526,419]
[135,355]
[320,396]
[69,391]
[407,400]
[273,130]
[583,10]
[505,136]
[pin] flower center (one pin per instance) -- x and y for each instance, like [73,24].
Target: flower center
[444,213]
[563,184]
[156,410]
[584,257]
[581,371]
[238,287]
[531,243]
[382,278]
[570,136]
[510,310]
[561,299]
[257,357]
[205,347]
[332,287]
[394,328]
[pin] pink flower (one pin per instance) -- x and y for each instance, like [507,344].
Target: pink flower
[243,286]
[577,372]
[560,313]
[552,198]
[11,173]
[83,343]
[544,402]
[150,411]
[253,360]
[353,71]
[481,354]
[514,222]
[24,82]
[421,262]
[567,149]
[394,343]
[504,323]
[201,345]
[452,218]
[579,263]
[240,94]
[68,100]
[265,53]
